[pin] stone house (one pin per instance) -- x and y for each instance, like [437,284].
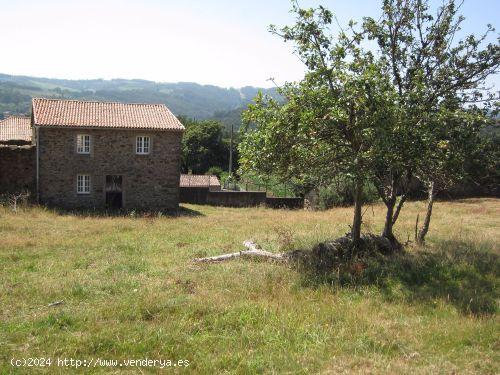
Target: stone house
[101,154]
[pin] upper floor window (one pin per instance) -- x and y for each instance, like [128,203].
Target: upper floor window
[83,184]
[83,144]
[143,145]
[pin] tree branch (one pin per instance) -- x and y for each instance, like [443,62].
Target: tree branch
[254,251]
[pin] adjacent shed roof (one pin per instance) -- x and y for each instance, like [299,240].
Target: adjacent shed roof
[15,128]
[198,180]
[77,113]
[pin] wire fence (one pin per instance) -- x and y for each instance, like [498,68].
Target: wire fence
[276,189]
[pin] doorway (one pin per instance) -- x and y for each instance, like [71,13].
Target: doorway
[114,192]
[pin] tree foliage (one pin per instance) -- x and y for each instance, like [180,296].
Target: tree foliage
[204,146]
[439,82]
[407,108]
[330,120]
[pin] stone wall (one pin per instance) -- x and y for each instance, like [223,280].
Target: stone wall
[148,181]
[196,195]
[236,198]
[17,168]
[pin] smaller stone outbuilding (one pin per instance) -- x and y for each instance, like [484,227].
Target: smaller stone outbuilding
[210,182]
[16,130]
[17,155]
[194,188]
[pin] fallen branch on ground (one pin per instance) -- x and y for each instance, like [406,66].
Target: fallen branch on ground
[325,255]
[254,251]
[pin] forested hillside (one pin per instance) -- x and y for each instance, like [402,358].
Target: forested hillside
[183,98]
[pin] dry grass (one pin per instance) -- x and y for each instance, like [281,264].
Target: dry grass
[130,291]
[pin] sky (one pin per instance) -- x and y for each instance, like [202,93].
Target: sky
[220,42]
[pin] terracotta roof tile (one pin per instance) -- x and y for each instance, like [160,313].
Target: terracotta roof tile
[198,180]
[76,113]
[15,128]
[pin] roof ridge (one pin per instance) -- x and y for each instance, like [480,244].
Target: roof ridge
[197,174]
[21,116]
[96,101]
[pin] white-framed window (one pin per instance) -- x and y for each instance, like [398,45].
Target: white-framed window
[143,145]
[83,144]
[83,184]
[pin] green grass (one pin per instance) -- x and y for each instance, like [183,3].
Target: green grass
[130,290]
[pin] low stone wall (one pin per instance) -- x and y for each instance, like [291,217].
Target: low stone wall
[17,168]
[236,198]
[195,195]
[471,190]
[290,203]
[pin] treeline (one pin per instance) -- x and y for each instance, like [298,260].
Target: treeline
[191,99]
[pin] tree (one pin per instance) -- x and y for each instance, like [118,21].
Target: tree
[455,137]
[203,146]
[437,80]
[329,122]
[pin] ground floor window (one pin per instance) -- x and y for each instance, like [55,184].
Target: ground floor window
[83,184]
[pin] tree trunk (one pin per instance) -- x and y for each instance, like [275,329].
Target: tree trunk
[387,233]
[402,200]
[391,216]
[425,227]
[388,193]
[356,223]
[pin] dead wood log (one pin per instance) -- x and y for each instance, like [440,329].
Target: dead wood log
[254,251]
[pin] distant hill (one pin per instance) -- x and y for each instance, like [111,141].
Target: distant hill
[183,98]
[230,118]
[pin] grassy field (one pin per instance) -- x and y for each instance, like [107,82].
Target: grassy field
[130,291]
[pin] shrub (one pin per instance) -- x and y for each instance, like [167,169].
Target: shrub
[462,273]
[340,194]
[216,171]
